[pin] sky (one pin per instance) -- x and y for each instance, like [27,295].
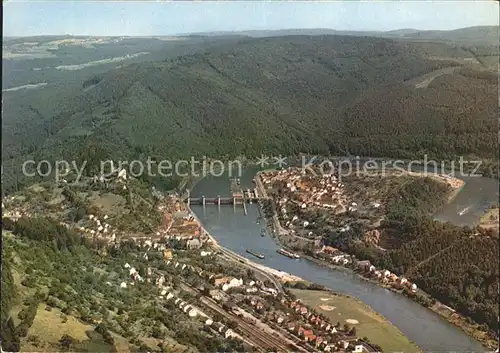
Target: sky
[145,18]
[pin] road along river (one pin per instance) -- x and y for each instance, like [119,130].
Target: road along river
[237,232]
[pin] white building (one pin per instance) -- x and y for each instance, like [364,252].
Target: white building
[358,348]
[229,333]
[235,282]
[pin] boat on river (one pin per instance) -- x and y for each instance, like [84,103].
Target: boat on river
[464,211]
[287,253]
[251,252]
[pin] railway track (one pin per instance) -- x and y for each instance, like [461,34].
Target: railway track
[257,337]
[260,338]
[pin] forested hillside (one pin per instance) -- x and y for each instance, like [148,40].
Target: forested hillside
[456,265]
[281,95]
[64,291]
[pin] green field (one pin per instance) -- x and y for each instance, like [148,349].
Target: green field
[371,324]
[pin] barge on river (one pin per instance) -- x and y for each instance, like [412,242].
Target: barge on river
[251,252]
[287,253]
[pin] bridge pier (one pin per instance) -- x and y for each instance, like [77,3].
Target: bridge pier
[244,204]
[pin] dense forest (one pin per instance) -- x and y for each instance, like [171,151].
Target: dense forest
[280,95]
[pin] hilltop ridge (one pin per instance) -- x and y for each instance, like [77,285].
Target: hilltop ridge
[470,35]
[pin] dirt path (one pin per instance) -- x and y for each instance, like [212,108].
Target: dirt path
[425,80]
[414,268]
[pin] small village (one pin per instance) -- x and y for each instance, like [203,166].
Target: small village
[244,303]
[228,297]
[366,269]
[250,302]
[299,192]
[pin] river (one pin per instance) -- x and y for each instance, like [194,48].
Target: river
[237,232]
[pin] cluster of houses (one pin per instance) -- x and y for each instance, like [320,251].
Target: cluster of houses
[256,303]
[98,229]
[324,190]
[180,224]
[193,311]
[314,330]
[321,190]
[385,276]
[168,294]
[302,190]
[336,256]
[134,276]
[182,266]
[120,176]
[367,269]
[224,283]
[14,213]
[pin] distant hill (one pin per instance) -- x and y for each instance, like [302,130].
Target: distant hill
[470,35]
[483,35]
[290,32]
[401,32]
[277,95]
[31,60]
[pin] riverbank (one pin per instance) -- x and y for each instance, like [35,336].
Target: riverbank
[344,309]
[282,276]
[372,323]
[436,307]
[490,219]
